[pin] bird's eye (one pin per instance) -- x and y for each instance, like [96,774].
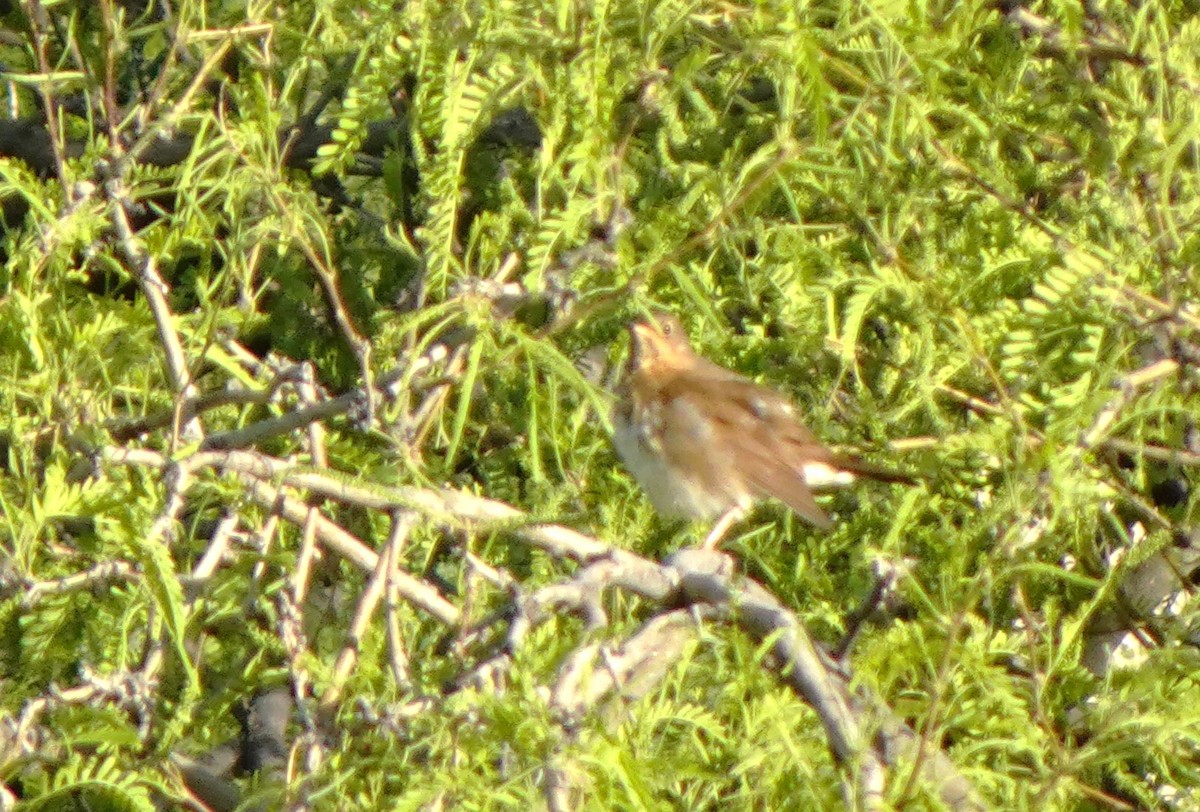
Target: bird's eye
[666,328]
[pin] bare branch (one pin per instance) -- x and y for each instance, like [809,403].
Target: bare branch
[255,470]
[862,732]
[372,595]
[155,290]
[102,573]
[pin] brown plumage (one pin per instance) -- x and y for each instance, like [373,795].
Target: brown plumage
[704,441]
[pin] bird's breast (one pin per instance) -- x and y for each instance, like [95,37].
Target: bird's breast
[673,489]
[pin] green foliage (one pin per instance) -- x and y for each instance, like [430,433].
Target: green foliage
[99,785]
[933,224]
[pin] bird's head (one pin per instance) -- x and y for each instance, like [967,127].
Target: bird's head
[659,343]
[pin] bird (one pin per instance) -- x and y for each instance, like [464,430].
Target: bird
[705,442]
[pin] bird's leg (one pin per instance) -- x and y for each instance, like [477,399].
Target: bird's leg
[722,526]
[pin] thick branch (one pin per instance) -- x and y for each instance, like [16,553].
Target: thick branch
[861,730]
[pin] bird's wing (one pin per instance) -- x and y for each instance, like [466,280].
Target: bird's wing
[793,438]
[764,442]
[693,443]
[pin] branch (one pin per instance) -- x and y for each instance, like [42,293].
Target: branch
[254,471]
[861,730]
[863,733]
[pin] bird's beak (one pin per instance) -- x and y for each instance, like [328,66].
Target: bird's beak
[644,343]
[640,331]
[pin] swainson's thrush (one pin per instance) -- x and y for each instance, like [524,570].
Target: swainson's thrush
[705,442]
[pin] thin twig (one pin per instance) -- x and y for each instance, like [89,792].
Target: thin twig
[371,597]
[39,22]
[102,573]
[308,553]
[397,651]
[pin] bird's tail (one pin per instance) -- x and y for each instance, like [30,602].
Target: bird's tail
[860,467]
